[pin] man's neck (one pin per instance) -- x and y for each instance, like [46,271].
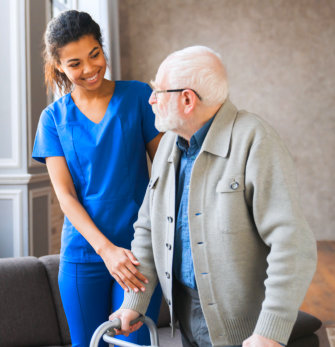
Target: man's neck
[197,121]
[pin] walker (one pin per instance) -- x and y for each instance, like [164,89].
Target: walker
[106,331]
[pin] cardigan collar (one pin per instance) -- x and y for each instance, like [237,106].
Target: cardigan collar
[219,134]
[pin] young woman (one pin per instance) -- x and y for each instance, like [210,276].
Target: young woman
[94,141]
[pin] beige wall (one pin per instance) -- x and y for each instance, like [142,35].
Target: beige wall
[280,57]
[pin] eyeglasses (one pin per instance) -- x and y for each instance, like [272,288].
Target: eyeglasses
[175,90]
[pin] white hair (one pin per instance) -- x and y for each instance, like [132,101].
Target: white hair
[199,68]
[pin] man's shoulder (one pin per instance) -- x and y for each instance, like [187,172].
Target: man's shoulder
[252,124]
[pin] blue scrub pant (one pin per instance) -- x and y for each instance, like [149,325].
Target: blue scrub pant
[89,295]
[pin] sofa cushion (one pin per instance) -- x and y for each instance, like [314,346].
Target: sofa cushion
[27,312]
[51,264]
[305,325]
[306,341]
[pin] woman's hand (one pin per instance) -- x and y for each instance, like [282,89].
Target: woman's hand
[121,264]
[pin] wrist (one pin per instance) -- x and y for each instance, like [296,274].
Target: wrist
[102,246]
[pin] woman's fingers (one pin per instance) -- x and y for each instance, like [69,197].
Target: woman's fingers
[120,282]
[132,257]
[122,266]
[137,274]
[131,281]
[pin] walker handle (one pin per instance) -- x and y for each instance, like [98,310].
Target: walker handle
[107,332]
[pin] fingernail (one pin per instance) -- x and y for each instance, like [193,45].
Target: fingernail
[146,281]
[143,289]
[136,290]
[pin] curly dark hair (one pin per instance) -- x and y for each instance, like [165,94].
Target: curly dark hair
[68,26]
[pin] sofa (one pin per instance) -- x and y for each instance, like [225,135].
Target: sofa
[31,312]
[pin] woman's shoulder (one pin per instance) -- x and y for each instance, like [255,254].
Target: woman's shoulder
[56,110]
[58,104]
[134,85]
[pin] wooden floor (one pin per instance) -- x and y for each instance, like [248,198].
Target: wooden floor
[320,297]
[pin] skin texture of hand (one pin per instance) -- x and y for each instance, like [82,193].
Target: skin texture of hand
[126,316]
[259,341]
[121,264]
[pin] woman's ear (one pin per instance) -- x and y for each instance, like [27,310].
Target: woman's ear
[59,68]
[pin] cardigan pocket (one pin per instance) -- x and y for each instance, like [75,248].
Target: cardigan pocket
[230,212]
[231,184]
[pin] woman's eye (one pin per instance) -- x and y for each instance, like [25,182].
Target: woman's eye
[95,55]
[74,65]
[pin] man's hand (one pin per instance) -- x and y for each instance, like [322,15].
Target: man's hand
[259,341]
[126,316]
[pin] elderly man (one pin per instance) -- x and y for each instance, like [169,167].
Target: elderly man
[220,226]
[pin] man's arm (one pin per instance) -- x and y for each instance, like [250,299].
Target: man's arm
[141,247]
[272,195]
[134,303]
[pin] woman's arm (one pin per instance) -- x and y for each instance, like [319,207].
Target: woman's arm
[153,145]
[119,261]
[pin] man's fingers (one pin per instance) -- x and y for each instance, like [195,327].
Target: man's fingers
[135,326]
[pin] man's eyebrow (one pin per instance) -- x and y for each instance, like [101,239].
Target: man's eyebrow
[153,84]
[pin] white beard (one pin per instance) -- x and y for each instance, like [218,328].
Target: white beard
[171,122]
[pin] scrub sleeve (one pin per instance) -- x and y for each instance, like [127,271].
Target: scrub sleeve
[107,162]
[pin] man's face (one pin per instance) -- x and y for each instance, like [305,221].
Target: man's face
[165,107]
[167,114]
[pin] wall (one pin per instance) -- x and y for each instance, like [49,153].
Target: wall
[280,57]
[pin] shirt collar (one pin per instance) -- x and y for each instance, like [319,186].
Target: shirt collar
[196,140]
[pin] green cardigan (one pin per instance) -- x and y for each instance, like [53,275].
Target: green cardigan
[254,254]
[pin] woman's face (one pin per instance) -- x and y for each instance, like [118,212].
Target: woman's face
[83,62]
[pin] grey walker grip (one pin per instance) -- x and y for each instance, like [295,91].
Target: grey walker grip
[107,331]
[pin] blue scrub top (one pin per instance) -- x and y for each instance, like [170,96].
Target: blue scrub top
[107,162]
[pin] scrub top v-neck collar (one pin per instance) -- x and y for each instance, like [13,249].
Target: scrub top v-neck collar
[105,114]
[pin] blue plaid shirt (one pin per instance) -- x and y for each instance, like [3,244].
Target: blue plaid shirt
[182,256]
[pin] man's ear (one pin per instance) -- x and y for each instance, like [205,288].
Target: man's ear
[189,100]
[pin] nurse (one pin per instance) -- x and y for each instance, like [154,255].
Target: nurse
[94,141]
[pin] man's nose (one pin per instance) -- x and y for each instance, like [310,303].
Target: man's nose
[152,99]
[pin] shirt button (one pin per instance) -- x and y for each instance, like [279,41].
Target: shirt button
[170,219]
[167,275]
[234,185]
[168,246]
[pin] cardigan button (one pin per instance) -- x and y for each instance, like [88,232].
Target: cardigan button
[170,219]
[167,275]
[234,185]
[168,246]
